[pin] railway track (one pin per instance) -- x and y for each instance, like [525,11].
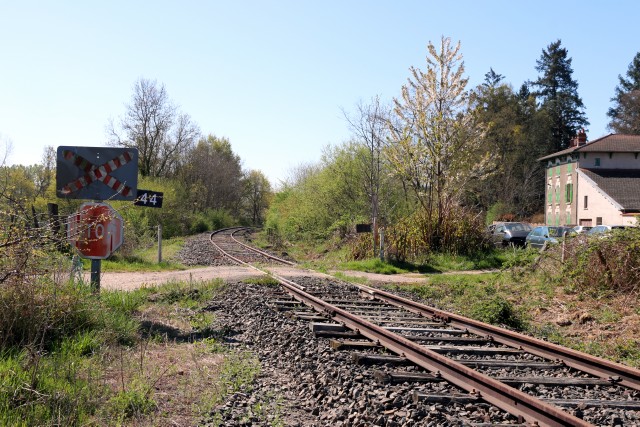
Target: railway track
[537,382]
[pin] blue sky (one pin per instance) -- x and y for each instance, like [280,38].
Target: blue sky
[274,76]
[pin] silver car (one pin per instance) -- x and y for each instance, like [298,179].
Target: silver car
[545,234]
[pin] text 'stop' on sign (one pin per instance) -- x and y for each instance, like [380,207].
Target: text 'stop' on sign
[97,173]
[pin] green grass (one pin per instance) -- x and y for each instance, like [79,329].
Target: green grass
[144,259]
[185,294]
[353,279]
[170,247]
[447,262]
[436,263]
[479,296]
[61,381]
[59,389]
[373,266]
[262,281]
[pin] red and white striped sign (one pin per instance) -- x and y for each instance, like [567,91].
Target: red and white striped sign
[97,173]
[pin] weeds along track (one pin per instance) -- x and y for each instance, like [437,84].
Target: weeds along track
[475,373]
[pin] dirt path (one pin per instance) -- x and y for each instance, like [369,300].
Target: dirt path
[133,280]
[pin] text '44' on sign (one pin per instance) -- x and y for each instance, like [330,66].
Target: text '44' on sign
[148,198]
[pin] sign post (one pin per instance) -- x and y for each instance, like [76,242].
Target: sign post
[96,230]
[96,173]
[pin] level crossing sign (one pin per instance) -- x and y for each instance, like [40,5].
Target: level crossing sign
[96,230]
[97,173]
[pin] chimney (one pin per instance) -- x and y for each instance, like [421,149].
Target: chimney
[579,140]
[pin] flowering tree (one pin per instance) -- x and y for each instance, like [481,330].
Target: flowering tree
[435,140]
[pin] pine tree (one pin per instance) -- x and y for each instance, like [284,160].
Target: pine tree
[558,94]
[625,114]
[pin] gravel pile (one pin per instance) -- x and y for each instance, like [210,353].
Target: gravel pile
[198,250]
[303,382]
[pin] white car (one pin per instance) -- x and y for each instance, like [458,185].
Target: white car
[582,228]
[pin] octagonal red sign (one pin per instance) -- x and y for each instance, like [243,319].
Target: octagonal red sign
[96,230]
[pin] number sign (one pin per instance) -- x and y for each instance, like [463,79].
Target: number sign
[148,198]
[363,228]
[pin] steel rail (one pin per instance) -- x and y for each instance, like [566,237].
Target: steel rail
[246,264]
[493,391]
[484,387]
[251,248]
[601,368]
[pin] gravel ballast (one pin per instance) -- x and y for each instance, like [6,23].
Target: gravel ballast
[303,382]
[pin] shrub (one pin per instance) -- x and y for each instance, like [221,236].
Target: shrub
[39,311]
[608,262]
[462,233]
[497,310]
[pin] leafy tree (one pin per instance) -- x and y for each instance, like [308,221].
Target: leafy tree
[153,125]
[558,93]
[625,114]
[510,121]
[435,142]
[212,175]
[256,195]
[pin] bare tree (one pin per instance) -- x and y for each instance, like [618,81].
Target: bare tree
[369,125]
[153,125]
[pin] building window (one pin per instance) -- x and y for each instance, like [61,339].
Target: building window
[598,220]
[568,193]
[586,202]
[597,161]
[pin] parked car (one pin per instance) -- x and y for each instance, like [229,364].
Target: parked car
[510,233]
[547,234]
[599,229]
[579,229]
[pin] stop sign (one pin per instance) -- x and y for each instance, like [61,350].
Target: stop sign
[96,230]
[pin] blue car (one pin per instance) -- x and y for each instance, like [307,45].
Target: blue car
[545,234]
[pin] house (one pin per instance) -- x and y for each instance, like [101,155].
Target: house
[594,183]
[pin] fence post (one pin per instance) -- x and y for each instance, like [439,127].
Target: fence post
[382,244]
[96,267]
[159,243]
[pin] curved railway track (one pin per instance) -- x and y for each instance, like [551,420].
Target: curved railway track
[538,382]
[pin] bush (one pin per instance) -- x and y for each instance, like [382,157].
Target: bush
[496,310]
[609,262]
[415,236]
[40,311]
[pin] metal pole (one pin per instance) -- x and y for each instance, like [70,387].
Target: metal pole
[159,243]
[96,265]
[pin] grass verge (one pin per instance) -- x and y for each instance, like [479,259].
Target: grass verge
[145,259]
[146,357]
